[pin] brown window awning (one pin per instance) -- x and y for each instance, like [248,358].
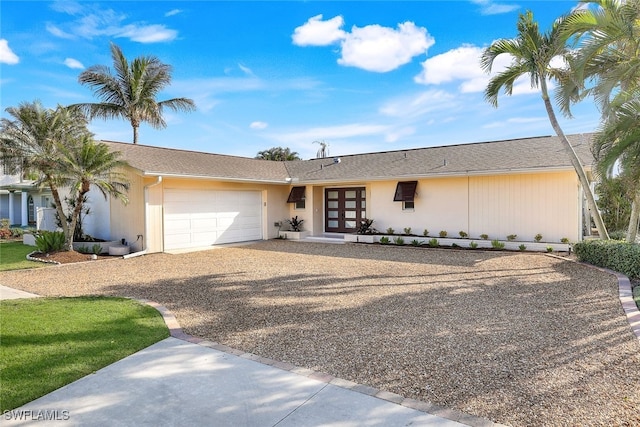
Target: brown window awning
[296,195]
[405,191]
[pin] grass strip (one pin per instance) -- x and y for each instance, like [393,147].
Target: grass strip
[46,343]
[13,256]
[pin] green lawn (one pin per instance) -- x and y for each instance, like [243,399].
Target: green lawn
[46,343]
[13,256]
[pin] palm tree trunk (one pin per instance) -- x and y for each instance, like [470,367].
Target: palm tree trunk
[577,165]
[68,234]
[135,134]
[634,220]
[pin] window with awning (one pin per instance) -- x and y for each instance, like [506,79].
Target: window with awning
[405,191]
[296,195]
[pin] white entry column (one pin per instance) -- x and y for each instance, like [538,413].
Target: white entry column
[11,216]
[24,211]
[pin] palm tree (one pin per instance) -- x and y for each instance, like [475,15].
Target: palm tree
[618,143]
[609,58]
[89,164]
[130,93]
[278,154]
[31,143]
[532,53]
[323,151]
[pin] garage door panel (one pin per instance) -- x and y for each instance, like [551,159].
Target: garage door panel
[206,217]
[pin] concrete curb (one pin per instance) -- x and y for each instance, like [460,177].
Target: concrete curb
[451,414]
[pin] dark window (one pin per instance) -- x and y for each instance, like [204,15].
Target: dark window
[408,206]
[405,191]
[296,195]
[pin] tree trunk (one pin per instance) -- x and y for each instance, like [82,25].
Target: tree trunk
[577,165]
[135,134]
[68,234]
[634,220]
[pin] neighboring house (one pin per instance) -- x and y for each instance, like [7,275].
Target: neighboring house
[24,204]
[181,199]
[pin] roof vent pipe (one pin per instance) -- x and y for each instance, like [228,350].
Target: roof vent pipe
[336,160]
[445,162]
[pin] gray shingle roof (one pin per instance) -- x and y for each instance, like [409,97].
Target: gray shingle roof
[167,161]
[517,155]
[530,154]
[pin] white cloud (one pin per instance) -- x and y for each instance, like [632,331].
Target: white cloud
[246,70]
[382,49]
[58,32]
[6,54]
[173,12]
[516,121]
[147,33]
[489,7]
[372,48]
[73,63]
[462,63]
[258,125]
[329,133]
[92,21]
[398,134]
[413,106]
[316,32]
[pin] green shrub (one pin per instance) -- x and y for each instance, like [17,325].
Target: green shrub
[390,230]
[497,244]
[407,230]
[549,249]
[84,249]
[522,247]
[4,223]
[564,240]
[484,236]
[384,240]
[366,227]
[433,243]
[538,237]
[398,241]
[618,235]
[455,245]
[443,233]
[512,237]
[473,245]
[96,249]
[463,234]
[415,242]
[618,256]
[49,241]
[425,233]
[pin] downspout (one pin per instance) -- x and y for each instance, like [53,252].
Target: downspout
[146,211]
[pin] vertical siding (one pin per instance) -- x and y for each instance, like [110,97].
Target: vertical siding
[127,221]
[440,204]
[525,205]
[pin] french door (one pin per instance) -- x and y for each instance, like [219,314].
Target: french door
[344,208]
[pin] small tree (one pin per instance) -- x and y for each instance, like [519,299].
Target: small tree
[277,154]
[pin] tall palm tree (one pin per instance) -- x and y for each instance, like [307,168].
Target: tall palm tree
[532,53]
[278,154]
[130,91]
[89,164]
[618,143]
[31,143]
[608,56]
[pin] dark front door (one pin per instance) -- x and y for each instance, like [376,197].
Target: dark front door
[344,208]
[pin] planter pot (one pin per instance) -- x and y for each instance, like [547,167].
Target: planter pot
[294,235]
[119,250]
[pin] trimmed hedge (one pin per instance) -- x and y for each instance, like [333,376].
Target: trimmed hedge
[615,255]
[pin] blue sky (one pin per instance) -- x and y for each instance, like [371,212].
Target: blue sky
[360,76]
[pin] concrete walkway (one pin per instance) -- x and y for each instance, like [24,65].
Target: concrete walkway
[175,383]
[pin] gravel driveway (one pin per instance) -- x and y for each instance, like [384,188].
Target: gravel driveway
[521,339]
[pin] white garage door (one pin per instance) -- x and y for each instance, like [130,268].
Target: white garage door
[195,218]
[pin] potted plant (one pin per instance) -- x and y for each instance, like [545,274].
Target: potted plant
[294,231]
